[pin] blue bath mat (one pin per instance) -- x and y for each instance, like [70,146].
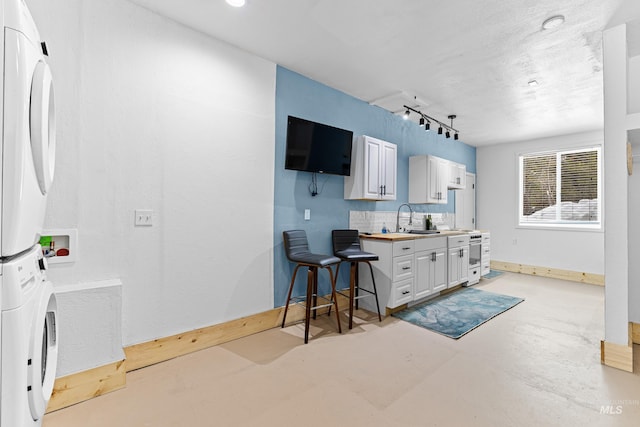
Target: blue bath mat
[459,312]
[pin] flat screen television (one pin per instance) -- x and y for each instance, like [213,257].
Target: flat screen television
[316,147]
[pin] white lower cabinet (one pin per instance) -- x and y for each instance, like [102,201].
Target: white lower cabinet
[431,266]
[407,270]
[485,254]
[458,247]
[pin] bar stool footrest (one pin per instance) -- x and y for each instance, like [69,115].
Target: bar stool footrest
[302,300]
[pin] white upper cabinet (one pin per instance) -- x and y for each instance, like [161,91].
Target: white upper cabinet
[428,179]
[457,176]
[373,170]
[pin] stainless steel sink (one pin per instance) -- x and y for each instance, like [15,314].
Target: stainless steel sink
[423,231]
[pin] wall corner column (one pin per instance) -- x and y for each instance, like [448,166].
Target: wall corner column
[616,349]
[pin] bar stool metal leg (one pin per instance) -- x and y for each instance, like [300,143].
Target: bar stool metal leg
[375,291]
[334,297]
[352,290]
[311,275]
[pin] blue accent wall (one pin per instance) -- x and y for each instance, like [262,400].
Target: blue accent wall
[300,96]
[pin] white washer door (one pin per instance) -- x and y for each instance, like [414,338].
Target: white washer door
[43,352]
[42,125]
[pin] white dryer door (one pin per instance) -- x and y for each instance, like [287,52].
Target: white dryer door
[43,352]
[42,124]
[28,144]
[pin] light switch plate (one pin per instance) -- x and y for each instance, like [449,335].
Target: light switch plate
[144,217]
[307,214]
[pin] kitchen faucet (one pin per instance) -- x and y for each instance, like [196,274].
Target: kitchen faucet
[398,216]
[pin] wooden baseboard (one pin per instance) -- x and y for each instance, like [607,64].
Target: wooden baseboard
[162,349]
[617,356]
[635,333]
[389,311]
[76,388]
[555,273]
[159,350]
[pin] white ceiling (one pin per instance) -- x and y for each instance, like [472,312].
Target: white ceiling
[472,58]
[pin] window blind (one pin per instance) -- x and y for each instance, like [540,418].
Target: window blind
[560,187]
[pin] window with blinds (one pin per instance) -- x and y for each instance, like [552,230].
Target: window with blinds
[561,188]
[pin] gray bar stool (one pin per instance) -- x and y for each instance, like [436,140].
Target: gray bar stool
[346,246]
[296,248]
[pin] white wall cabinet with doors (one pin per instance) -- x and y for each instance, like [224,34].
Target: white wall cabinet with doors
[457,176]
[465,210]
[431,266]
[373,170]
[458,263]
[428,179]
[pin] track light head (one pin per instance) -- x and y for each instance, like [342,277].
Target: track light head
[440,130]
[421,121]
[427,125]
[406,115]
[455,136]
[447,134]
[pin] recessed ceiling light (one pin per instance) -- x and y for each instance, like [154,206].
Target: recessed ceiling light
[553,22]
[533,83]
[236,3]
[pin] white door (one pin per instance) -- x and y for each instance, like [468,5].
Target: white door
[423,274]
[454,266]
[433,180]
[439,271]
[388,163]
[372,149]
[464,265]
[466,204]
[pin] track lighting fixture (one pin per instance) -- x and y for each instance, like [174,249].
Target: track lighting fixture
[425,121]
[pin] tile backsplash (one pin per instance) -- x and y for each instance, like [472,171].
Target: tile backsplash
[373,221]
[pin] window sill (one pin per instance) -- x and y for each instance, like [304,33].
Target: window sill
[597,228]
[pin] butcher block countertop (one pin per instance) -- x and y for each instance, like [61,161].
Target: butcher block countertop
[407,236]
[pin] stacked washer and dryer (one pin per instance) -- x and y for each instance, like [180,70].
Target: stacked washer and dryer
[28,323]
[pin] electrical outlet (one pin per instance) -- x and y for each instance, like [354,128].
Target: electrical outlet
[144,217]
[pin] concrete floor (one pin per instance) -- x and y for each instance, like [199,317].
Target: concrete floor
[537,364]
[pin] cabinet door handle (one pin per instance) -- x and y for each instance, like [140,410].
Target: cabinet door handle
[384,187]
[405,292]
[406,248]
[406,268]
[461,253]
